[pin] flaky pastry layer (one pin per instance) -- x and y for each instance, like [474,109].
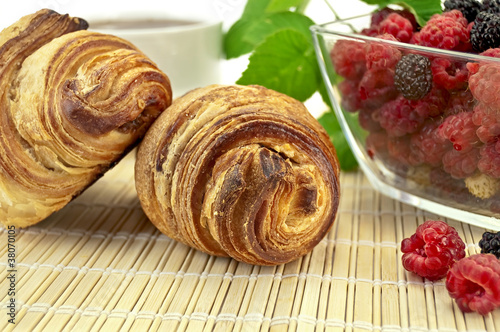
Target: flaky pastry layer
[72,102]
[239,171]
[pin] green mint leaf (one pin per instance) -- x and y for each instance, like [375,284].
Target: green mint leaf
[284,62]
[344,154]
[422,9]
[274,22]
[255,8]
[282,5]
[235,43]
[246,34]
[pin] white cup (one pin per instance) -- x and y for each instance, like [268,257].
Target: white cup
[188,51]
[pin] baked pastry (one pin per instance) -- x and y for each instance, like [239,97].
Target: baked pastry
[72,103]
[239,171]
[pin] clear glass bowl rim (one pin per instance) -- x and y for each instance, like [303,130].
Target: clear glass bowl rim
[326,29]
[488,222]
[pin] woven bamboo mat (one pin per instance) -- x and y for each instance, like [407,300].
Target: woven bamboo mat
[99,265]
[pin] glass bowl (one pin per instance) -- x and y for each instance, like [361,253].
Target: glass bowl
[435,148]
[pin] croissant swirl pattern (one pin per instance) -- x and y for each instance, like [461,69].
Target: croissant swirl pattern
[239,171]
[72,103]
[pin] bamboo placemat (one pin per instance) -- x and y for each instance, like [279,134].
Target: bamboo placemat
[99,265]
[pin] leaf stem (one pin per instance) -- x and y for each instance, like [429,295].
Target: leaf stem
[332,9]
[301,8]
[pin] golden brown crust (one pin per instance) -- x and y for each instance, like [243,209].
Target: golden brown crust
[239,171]
[72,102]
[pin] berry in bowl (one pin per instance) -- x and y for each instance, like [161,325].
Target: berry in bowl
[420,105]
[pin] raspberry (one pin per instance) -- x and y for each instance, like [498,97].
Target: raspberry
[457,16]
[413,76]
[398,117]
[474,283]
[370,32]
[382,55]
[491,6]
[490,243]
[348,59]
[377,87]
[492,52]
[460,164]
[399,149]
[459,101]
[460,130]
[488,122]
[376,143]
[484,83]
[485,32]
[446,31]
[489,161]
[448,186]
[378,16]
[366,120]
[398,26]
[433,104]
[432,250]
[350,101]
[449,74]
[427,145]
[469,8]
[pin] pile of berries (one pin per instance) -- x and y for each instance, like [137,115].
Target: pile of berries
[436,251]
[430,118]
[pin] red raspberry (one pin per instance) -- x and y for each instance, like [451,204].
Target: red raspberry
[381,55]
[377,87]
[460,130]
[459,101]
[450,75]
[488,122]
[376,143]
[378,16]
[433,104]
[398,26]
[348,59]
[473,67]
[457,16]
[398,117]
[474,283]
[432,250]
[350,101]
[399,149]
[484,83]
[446,31]
[427,145]
[489,162]
[370,32]
[366,121]
[460,164]
[492,52]
[448,186]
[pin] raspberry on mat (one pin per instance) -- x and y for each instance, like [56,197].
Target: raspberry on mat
[474,283]
[432,250]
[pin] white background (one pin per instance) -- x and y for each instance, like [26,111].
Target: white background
[227,11]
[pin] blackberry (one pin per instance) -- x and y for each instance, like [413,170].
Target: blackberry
[485,32]
[490,243]
[490,6]
[413,76]
[469,8]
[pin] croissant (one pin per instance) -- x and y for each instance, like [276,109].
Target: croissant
[239,171]
[72,103]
